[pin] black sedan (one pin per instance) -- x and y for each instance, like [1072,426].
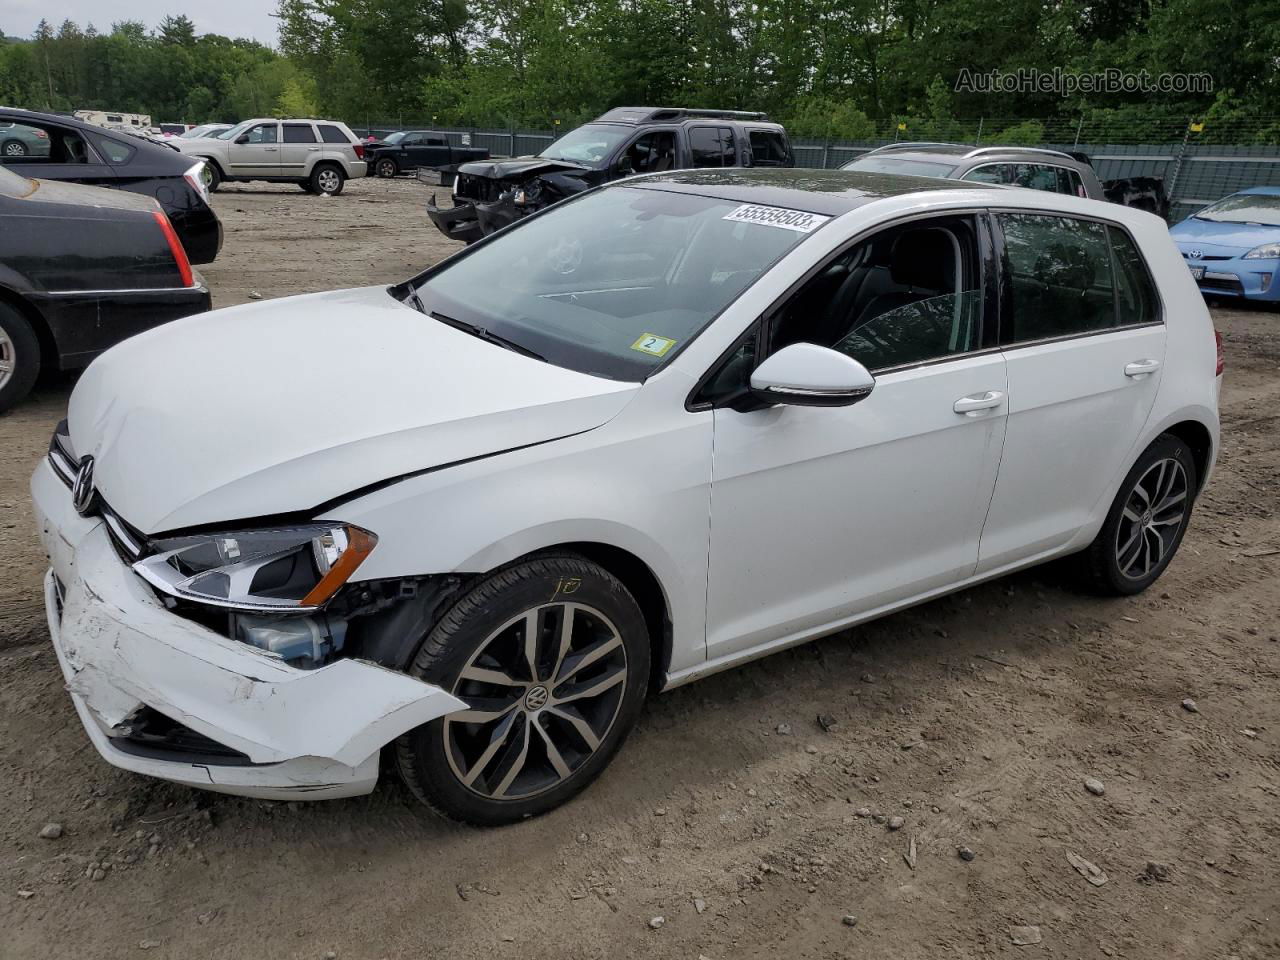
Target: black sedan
[81,268]
[54,147]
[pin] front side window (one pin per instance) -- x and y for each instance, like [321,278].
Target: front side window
[1033,176]
[1059,276]
[652,152]
[712,146]
[906,295]
[262,133]
[613,283]
[299,133]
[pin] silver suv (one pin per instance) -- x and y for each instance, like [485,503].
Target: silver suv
[318,155]
[1050,170]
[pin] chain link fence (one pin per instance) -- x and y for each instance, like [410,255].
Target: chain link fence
[1197,161]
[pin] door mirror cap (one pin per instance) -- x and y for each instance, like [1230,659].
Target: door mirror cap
[243,138]
[807,375]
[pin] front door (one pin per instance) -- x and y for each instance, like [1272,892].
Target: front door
[822,514]
[1084,342]
[259,155]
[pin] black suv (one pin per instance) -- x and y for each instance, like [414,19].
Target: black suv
[47,146]
[490,194]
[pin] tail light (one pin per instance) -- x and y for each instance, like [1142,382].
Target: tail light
[175,247]
[359,150]
[195,177]
[1221,359]
[40,134]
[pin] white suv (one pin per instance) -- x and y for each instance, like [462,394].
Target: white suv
[660,429]
[318,155]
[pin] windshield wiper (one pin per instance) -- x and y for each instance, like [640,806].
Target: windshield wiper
[478,331]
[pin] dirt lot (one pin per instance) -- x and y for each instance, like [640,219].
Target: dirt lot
[976,719]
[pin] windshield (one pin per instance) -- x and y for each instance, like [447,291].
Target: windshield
[618,281]
[590,145]
[235,131]
[12,185]
[395,137]
[1244,208]
[917,168]
[204,130]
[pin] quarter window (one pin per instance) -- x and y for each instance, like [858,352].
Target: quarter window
[1059,276]
[907,295]
[1135,293]
[299,133]
[331,134]
[115,151]
[712,146]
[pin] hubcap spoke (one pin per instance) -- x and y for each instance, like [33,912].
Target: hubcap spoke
[553,753]
[485,675]
[594,688]
[500,735]
[513,760]
[580,662]
[579,723]
[1151,518]
[484,711]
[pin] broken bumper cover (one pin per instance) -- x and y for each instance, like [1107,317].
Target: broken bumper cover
[469,222]
[302,734]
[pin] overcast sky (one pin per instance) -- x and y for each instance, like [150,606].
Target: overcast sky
[234,18]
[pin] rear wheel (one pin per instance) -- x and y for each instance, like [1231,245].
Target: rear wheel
[552,656]
[14,148]
[327,178]
[387,168]
[1147,520]
[19,356]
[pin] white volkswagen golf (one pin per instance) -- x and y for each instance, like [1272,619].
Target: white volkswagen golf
[462,526]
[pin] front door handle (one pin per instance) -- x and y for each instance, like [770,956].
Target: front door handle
[1140,368]
[269,149]
[973,406]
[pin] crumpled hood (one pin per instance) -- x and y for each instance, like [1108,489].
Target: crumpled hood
[1237,236]
[281,406]
[519,167]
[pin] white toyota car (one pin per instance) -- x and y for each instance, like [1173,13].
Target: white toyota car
[463,525]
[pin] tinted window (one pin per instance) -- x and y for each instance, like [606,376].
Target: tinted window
[262,133]
[1034,176]
[612,283]
[653,152]
[769,149]
[1059,276]
[1135,293]
[42,143]
[410,140]
[903,296]
[114,150]
[332,134]
[712,146]
[299,133]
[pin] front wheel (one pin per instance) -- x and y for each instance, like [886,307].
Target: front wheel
[552,656]
[1147,520]
[14,148]
[387,168]
[327,179]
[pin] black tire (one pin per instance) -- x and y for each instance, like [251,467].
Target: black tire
[19,356]
[1105,563]
[306,186]
[325,172]
[14,148]
[213,178]
[387,168]
[604,613]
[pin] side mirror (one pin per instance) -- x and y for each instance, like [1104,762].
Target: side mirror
[624,166]
[807,375]
[243,138]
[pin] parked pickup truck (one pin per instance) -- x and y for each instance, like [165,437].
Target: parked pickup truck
[488,195]
[406,150]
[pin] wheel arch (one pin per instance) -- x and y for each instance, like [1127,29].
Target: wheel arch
[50,355]
[213,162]
[1198,437]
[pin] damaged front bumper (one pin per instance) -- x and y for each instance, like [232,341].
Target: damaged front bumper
[468,221]
[257,726]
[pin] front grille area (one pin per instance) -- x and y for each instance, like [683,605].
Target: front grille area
[1232,285]
[157,737]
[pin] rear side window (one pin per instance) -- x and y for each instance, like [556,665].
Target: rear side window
[1059,276]
[115,151]
[299,133]
[712,146]
[1135,292]
[332,134]
[769,149]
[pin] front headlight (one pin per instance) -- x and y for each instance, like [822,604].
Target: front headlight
[1268,251]
[294,568]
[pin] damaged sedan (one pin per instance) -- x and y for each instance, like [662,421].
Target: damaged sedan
[700,420]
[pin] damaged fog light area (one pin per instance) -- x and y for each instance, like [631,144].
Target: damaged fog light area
[304,642]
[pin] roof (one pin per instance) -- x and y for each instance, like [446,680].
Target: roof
[827,192]
[956,152]
[635,115]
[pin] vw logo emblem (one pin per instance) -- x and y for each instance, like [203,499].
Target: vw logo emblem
[537,698]
[82,492]
[1195,254]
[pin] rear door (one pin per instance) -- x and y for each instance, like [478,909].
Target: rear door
[1084,340]
[299,145]
[259,155]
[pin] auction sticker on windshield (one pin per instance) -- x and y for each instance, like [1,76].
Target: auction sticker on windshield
[796,220]
[653,344]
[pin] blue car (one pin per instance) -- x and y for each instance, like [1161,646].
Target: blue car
[1233,246]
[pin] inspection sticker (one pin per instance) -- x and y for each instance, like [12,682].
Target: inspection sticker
[653,344]
[796,220]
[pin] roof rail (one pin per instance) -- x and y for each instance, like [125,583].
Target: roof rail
[1053,153]
[908,145]
[650,114]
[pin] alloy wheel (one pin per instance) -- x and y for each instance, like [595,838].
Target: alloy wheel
[15,149]
[544,690]
[386,168]
[8,358]
[328,181]
[1153,514]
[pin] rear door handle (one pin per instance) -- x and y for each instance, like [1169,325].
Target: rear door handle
[973,406]
[1140,368]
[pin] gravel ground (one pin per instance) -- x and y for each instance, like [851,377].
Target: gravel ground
[946,812]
